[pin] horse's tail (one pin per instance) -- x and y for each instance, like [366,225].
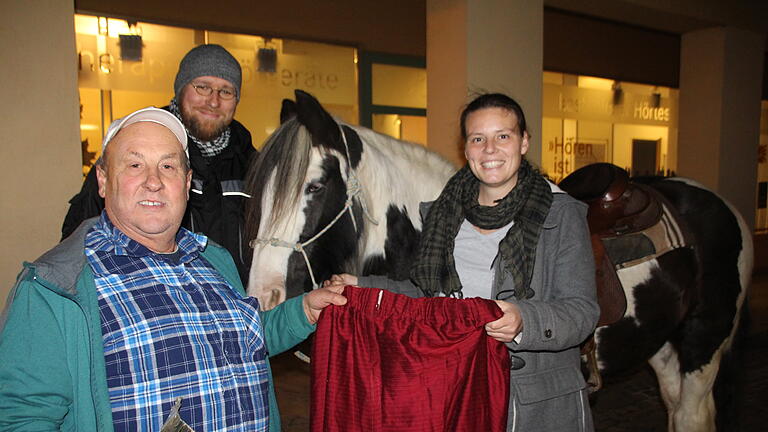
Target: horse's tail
[729,383]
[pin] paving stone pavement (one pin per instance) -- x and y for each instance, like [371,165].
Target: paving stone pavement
[627,404]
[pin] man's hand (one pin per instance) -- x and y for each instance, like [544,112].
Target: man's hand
[316,300]
[508,326]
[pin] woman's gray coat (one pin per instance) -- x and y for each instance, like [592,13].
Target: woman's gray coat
[548,393]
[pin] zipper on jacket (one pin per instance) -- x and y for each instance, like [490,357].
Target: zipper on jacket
[514,415]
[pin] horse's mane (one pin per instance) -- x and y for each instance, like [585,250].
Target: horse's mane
[387,161]
[288,163]
[395,148]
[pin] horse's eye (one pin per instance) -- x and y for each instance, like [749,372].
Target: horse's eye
[314,187]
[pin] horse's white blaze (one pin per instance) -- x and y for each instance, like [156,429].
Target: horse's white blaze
[267,282]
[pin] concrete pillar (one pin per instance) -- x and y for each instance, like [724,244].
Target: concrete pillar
[41,167]
[721,74]
[482,46]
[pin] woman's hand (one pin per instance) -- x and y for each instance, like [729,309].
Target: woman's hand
[506,328]
[342,280]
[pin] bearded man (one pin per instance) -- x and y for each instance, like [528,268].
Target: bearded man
[207,91]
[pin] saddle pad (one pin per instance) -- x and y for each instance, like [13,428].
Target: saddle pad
[632,249]
[387,362]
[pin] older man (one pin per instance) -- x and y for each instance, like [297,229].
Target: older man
[207,91]
[132,315]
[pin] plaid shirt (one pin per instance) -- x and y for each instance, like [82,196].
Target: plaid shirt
[173,327]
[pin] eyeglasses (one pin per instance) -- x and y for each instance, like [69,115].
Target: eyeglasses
[206,90]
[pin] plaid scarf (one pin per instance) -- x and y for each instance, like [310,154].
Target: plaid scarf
[207,148]
[527,204]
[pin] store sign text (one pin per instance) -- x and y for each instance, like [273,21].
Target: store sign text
[645,111]
[158,71]
[151,69]
[564,153]
[308,79]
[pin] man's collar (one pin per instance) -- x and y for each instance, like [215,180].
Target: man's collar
[190,245]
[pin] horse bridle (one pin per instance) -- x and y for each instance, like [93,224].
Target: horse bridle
[353,190]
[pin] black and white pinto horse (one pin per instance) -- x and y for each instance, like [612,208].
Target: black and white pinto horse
[330,198]
[685,308]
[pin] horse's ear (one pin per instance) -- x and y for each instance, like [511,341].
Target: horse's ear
[287,111]
[320,124]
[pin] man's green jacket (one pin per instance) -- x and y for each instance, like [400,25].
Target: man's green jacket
[52,373]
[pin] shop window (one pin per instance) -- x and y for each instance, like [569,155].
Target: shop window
[403,127]
[593,119]
[393,95]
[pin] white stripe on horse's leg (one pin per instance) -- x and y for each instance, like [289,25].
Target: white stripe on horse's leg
[667,367]
[696,412]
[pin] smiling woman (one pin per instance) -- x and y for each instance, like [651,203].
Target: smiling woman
[502,232]
[494,148]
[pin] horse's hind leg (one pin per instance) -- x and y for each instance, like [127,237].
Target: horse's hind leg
[696,409]
[667,367]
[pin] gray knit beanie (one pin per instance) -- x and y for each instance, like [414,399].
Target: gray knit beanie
[208,60]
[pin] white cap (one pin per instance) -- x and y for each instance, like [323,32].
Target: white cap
[148,114]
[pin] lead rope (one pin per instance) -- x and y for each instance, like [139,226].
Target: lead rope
[353,190]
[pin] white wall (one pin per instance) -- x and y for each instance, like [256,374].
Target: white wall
[41,167]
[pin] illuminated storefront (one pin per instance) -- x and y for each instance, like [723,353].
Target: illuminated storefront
[588,120]
[122,68]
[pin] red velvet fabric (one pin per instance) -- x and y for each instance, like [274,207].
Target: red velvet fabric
[405,364]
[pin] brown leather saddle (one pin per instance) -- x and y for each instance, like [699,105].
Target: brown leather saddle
[617,207]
